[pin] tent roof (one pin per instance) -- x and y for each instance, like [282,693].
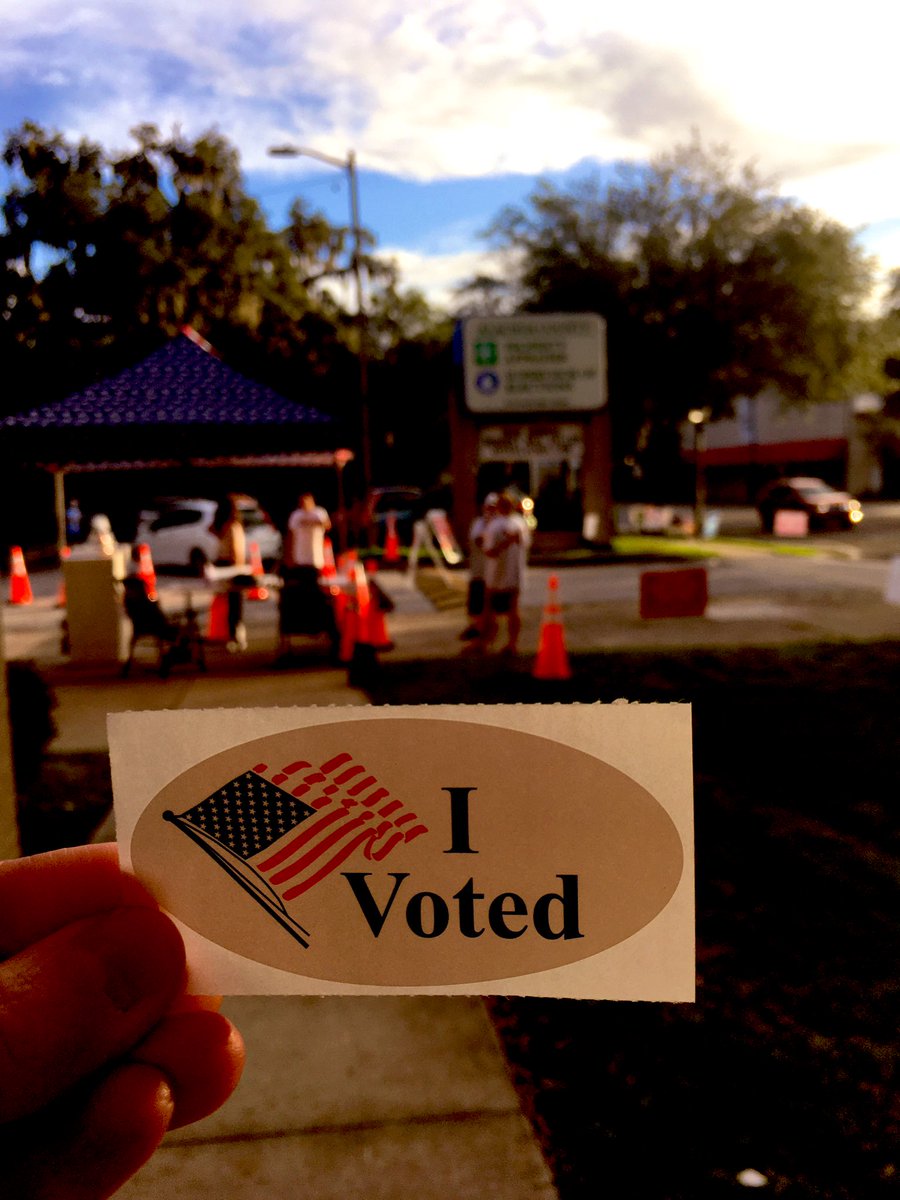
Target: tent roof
[286,458]
[183,383]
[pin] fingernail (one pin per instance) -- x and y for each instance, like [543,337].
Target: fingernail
[142,955]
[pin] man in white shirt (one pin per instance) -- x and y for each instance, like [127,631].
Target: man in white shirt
[303,608]
[306,527]
[475,594]
[506,542]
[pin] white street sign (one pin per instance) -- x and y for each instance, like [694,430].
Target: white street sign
[535,362]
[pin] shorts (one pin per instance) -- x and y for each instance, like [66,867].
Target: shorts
[475,598]
[504,601]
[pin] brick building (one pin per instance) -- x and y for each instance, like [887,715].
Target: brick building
[767,438]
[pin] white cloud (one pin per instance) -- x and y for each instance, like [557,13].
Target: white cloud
[439,275]
[886,248]
[459,89]
[436,275]
[480,86]
[856,194]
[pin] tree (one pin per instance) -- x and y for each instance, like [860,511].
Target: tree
[882,428]
[50,214]
[712,285]
[104,256]
[410,383]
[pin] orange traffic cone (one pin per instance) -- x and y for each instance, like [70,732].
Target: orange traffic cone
[146,571]
[346,561]
[355,625]
[391,541]
[338,605]
[362,661]
[552,661]
[349,626]
[329,570]
[217,624]
[19,584]
[256,568]
[378,636]
[363,596]
[64,553]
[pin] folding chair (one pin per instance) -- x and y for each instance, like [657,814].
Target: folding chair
[177,639]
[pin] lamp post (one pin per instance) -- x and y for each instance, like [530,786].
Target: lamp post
[698,418]
[348,164]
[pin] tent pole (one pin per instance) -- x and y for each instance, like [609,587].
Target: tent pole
[59,498]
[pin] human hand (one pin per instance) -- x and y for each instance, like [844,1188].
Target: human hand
[101,1050]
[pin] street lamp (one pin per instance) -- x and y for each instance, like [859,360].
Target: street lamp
[348,164]
[698,418]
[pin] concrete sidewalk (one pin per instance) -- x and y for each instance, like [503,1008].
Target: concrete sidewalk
[375,1097]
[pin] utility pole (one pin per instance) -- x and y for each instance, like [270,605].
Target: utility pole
[348,165]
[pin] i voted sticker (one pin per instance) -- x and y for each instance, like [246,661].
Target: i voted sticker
[412,852]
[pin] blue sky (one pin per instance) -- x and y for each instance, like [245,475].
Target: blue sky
[454,109]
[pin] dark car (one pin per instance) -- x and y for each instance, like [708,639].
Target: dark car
[825,507]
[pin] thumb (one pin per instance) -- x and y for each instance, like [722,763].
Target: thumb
[89,1143]
[81,997]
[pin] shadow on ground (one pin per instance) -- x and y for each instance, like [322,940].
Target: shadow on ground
[787,1064]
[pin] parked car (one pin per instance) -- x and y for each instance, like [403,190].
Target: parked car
[825,507]
[178,532]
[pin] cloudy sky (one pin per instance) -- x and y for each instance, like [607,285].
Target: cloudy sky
[453,109]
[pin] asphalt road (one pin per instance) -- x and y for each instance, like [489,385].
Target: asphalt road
[767,576]
[855,562]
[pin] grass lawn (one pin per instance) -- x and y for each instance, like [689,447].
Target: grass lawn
[788,1062]
[628,545]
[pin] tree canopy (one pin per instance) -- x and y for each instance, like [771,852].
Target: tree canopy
[712,285]
[105,255]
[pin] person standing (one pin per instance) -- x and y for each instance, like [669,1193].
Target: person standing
[506,543]
[475,593]
[74,519]
[232,552]
[101,536]
[305,544]
[303,607]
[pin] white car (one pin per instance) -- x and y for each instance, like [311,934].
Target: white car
[178,532]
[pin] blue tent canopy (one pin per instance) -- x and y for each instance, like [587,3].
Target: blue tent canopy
[179,409]
[182,384]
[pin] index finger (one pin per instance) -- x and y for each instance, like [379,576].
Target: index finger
[41,894]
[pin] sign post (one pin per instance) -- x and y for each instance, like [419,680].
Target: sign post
[532,380]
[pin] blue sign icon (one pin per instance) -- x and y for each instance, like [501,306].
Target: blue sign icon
[487,381]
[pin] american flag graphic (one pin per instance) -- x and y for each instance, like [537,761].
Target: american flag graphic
[277,844]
